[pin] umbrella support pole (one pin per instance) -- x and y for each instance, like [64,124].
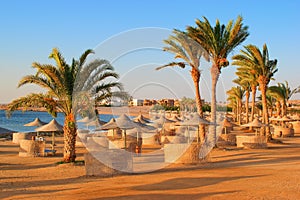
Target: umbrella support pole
[53,141]
[125,146]
[188,129]
[198,135]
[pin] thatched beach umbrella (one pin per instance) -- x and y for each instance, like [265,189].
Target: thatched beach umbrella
[175,119]
[36,122]
[295,117]
[125,123]
[195,120]
[162,120]
[283,120]
[140,128]
[255,123]
[109,125]
[226,124]
[96,122]
[141,119]
[160,123]
[84,120]
[53,126]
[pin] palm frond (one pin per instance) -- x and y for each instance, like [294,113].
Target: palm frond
[33,101]
[172,64]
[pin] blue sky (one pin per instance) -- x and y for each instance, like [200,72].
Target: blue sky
[30,29]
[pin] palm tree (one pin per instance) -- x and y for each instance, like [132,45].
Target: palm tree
[232,103]
[245,84]
[259,63]
[246,76]
[218,41]
[282,92]
[237,93]
[271,100]
[59,83]
[186,49]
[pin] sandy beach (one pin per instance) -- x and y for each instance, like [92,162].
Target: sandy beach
[233,173]
[128,110]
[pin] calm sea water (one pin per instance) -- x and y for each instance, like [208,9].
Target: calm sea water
[18,119]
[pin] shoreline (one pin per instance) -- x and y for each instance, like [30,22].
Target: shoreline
[129,110]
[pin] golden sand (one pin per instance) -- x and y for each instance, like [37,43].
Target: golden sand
[272,173]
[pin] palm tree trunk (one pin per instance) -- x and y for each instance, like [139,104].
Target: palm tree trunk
[263,89]
[253,91]
[240,111]
[196,79]
[278,108]
[247,105]
[215,73]
[283,108]
[69,139]
[237,112]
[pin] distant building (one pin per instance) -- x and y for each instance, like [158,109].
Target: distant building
[137,102]
[177,103]
[152,102]
[167,102]
[147,102]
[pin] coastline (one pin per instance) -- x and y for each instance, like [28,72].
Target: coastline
[128,110]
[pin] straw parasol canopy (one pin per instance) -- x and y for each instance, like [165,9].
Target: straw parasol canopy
[141,119]
[139,129]
[296,117]
[175,119]
[53,126]
[285,119]
[278,118]
[109,125]
[96,122]
[255,123]
[36,122]
[162,120]
[84,120]
[195,120]
[125,123]
[226,123]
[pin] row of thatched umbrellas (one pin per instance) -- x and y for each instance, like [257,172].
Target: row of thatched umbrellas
[142,124]
[53,126]
[256,123]
[139,124]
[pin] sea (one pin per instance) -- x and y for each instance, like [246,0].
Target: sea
[19,118]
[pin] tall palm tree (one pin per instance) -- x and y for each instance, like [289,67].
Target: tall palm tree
[190,52]
[218,41]
[271,101]
[237,93]
[246,76]
[59,83]
[245,84]
[282,92]
[232,103]
[258,62]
